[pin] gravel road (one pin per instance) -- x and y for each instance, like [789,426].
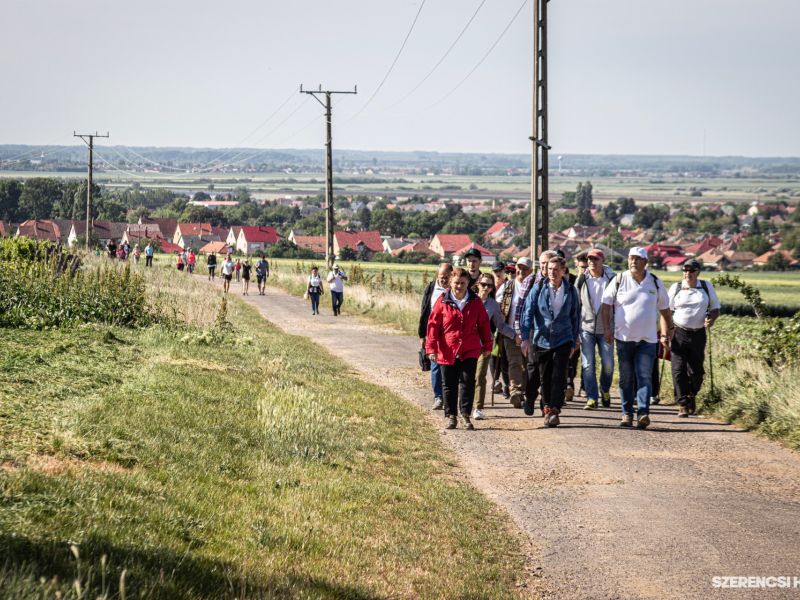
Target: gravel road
[610,513]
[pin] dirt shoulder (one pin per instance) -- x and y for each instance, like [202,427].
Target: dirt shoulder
[612,513]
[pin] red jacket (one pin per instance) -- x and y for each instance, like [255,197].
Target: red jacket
[458,333]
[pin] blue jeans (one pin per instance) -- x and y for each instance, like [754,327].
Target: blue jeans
[336,301]
[314,302]
[590,341]
[635,373]
[436,379]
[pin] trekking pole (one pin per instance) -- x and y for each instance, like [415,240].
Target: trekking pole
[661,377]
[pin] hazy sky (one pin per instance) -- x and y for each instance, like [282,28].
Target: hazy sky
[626,76]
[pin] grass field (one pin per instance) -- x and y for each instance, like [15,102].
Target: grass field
[211,464]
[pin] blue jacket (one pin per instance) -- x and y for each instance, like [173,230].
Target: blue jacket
[537,317]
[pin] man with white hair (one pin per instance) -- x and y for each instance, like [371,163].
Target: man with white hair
[631,303]
[511,297]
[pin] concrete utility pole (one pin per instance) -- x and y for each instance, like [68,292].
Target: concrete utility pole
[329,223]
[88,139]
[539,148]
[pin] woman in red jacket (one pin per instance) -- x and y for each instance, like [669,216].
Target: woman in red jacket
[458,332]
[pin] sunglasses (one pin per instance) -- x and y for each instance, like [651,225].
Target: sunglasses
[486,284]
[690,271]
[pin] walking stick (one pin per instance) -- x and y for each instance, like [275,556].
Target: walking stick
[661,377]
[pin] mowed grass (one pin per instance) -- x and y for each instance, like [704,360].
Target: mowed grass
[254,466]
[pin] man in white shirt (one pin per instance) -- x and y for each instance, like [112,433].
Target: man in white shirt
[511,297]
[591,284]
[633,300]
[336,278]
[696,307]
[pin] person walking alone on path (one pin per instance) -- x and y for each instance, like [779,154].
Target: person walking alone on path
[458,333]
[631,303]
[262,272]
[228,267]
[550,328]
[432,292]
[512,299]
[590,285]
[211,260]
[246,268]
[486,293]
[148,254]
[336,279]
[314,289]
[696,308]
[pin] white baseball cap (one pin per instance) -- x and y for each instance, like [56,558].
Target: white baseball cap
[638,251]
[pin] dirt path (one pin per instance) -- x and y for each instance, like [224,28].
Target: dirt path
[615,513]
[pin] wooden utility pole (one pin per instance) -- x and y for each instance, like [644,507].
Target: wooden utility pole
[539,148]
[88,139]
[329,223]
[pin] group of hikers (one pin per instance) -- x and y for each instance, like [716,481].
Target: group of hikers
[124,251]
[530,328]
[239,269]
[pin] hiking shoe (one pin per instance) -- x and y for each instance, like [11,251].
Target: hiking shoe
[438,404]
[516,401]
[692,405]
[478,415]
[655,399]
[590,404]
[605,398]
[643,421]
[452,422]
[683,411]
[497,388]
[551,417]
[465,421]
[506,393]
[570,393]
[627,421]
[528,407]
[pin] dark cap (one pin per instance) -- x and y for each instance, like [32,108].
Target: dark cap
[473,252]
[560,253]
[498,266]
[692,265]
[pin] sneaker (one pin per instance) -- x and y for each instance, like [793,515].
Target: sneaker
[551,417]
[438,404]
[692,405]
[452,422]
[497,388]
[643,421]
[590,404]
[627,421]
[570,393]
[467,423]
[528,407]
[506,393]
[605,397]
[655,400]
[683,411]
[478,415]
[516,400]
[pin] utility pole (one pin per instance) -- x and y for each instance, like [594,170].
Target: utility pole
[328,165]
[539,160]
[88,139]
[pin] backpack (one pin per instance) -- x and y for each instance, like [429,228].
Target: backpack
[618,279]
[703,285]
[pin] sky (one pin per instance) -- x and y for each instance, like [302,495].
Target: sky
[714,77]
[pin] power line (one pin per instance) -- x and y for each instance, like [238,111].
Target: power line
[483,58]
[152,162]
[114,168]
[391,67]
[444,56]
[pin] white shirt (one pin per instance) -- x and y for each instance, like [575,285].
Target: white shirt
[460,303]
[335,279]
[227,267]
[636,307]
[595,287]
[556,298]
[691,304]
[314,281]
[437,292]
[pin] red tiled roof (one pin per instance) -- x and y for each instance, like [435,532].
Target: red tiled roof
[256,234]
[315,243]
[415,247]
[218,247]
[197,229]
[170,248]
[499,226]
[40,230]
[452,242]
[674,260]
[371,239]
[478,247]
